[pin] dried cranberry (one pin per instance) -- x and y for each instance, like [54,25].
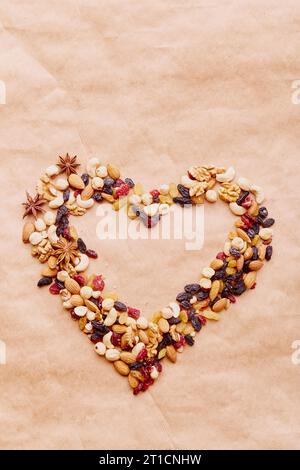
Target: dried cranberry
[81,245]
[142,355]
[133,312]
[221,255]
[80,279]
[67,234]
[155,193]
[268,223]
[138,388]
[85,178]
[54,289]
[91,254]
[97,196]
[98,283]
[202,319]
[123,190]
[44,281]
[263,212]
[129,182]
[269,252]
[119,306]
[115,339]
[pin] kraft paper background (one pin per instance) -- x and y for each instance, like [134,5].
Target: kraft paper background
[154,87]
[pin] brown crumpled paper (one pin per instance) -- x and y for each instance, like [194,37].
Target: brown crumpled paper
[153,87]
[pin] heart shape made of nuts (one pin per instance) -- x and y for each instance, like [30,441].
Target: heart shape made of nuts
[120,333]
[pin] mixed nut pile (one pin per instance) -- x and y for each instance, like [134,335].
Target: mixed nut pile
[119,332]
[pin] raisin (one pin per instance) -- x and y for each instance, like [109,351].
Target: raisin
[44,281]
[174,321]
[268,223]
[66,195]
[183,190]
[185,304]
[251,233]
[97,196]
[120,307]
[192,288]
[183,296]
[246,268]
[135,365]
[95,338]
[61,213]
[182,201]
[263,212]
[130,182]
[196,323]
[107,190]
[234,252]
[255,253]
[189,340]
[91,254]
[202,295]
[81,245]
[109,182]
[85,178]
[242,197]
[100,328]
[269,252]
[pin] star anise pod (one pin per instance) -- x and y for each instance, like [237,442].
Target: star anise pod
[68,164]
[33,205]
[65,251]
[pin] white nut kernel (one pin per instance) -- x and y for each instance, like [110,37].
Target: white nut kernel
[106,340]
[164,189]
[226,249]
[90,315]
[175,309]
[101,171]
[67,305]
[85,204]
[62,276]
[208,272]
[35,238]
[167,312]
[205,283]
[49,218]
[86,292]
[130,321]
[112,355]
[154,373]
[83,263]
[40,225]
[211,195]
[164,209]
[57,202]
[96,294]
[236,209]
[265,233]
[91,166]
[88,328]
[107,304]
[147,199]
[137,348]
[111,317]
[97,183]
[258,192]
[237,243]
[134,199]
[244,184]
[52,170]
[80,311]
[51,233]
[227,176]
[61,184]
[142,323]
[188,182]
[100,348]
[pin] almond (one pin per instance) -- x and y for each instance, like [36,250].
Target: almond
[248,253]
[214,290]
[121,367]
[133,382]
[262,252]
[87,193]
[76,300]
[91,306]
[253,209]
[113,171]
[127,357]
[143,336]
[120,329]
[76,182]
[107,197]
[52,262]
[72,286]
[240,263]
[219,305]
[250,279]
[163,325]
[48,272]
[243,235]
[256,265]
[171,353]
[216,264]
[28,229]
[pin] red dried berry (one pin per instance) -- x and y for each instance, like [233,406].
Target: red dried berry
[80,279]
[158,366]
[231,298]
[54,289]
[221,255]
[123,190]
[247,203]
[77,192]
[115,339]
[133,312]
[202,319]
[253,287]
[142,355]
[138,388]
[91,254]
[155,193]
[119,182]
[66,234]
[98,283]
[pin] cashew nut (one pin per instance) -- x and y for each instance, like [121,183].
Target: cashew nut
[61,184]
[52,237]
[84,204]
[236,209]
[244,184]
[101,171]
[106,340]
[52,170]
[83,263]
[111,317]
[67,305]
[91,166]
[258,192]
[57,202]
[187,182]
[227,176]
[49,218]
[97,183]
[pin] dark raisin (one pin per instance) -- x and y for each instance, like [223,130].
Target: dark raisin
[59,284]
[268,223]
[109,182]
[100,328]
[263,212]
[97,196]
[234,252]
[107,190]
[246,268]
[255,253]
[120,307]
[239,288]
[59,230]
[185,304]
[183,190]
[130,182]
[269,252]
[259,220]
[61,213]
[255,227]
[192,288]
[189,340]
[174,321]
[95,338]
[66,195]
[85,178]
[183,296]
[91,254]
[196,323]
[202,295]
[251,233]
[81,245]
[136,365]
[183,201]
[242,197]
[44,281]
